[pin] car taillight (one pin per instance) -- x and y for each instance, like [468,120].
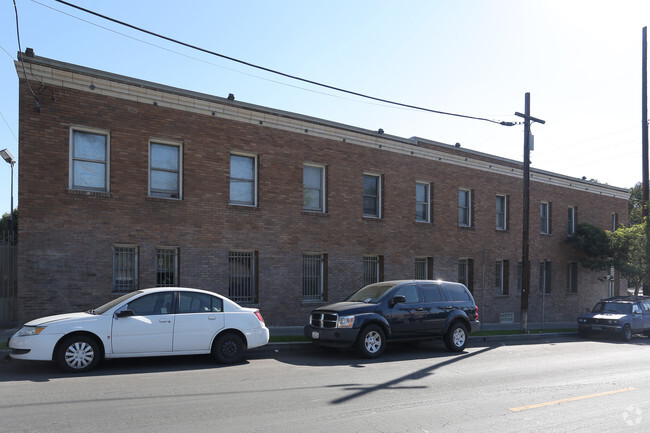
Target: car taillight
[476,312]
[259,316]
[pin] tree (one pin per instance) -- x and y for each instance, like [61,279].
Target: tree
[4,225]
[628,245]
[635,204]
[594,244]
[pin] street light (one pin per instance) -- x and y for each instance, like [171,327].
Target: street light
[7,156]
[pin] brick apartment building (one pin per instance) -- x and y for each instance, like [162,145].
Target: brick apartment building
[127,184]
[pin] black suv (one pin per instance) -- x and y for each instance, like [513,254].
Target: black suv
[396,310]
[621,316]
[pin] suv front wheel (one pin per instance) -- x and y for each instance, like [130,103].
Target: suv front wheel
[371,341]
[456,337]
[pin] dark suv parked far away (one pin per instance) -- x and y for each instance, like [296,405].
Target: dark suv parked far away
[396,310]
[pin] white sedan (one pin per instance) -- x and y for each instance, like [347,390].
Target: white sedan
[150,322]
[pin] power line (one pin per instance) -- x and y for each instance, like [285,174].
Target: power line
[293,77]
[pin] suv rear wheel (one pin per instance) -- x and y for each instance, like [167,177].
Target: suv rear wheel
[456,337]
[371,341]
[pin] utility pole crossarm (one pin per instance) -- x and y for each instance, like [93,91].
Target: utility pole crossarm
[530,118]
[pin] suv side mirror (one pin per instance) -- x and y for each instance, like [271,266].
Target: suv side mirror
[125,313]
[398,299]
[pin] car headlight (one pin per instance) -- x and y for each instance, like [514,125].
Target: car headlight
[613,322]
[582,320]
[345,322]
[30,330]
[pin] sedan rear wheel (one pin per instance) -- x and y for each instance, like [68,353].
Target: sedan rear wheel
[78,353]
[371,341]
[229,348]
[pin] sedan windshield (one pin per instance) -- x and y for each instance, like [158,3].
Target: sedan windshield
[104,308]
[613,307]
[371,294]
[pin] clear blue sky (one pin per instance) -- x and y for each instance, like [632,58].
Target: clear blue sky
[580,60]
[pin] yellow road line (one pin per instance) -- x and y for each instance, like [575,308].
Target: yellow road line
[565,400]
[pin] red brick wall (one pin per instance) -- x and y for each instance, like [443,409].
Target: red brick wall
[66,238]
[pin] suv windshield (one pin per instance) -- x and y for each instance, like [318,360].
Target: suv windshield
[370,294]
[613,307]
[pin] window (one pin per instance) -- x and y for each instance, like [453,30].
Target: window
[314,276]
[371,196]
[313,181]
[242,280]
[373,269]
[125,268]
[464,208]
[545,218]
[189,303]
[243,180]
[572,277]
[152,305]
[422,206]
[545,277]
[520,277]
[432,292]
[167,267]
[571,221]
[164,170]
[502,277]
[614,221]
[466,273]
[89,166]
[424,268]
[410,292]
[502,212]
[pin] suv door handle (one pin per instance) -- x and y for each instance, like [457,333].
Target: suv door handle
[419,309]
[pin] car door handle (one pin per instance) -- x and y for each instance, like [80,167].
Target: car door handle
[212,317]
[419,309]
[164,321]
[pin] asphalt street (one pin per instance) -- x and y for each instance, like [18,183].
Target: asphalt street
[551,384]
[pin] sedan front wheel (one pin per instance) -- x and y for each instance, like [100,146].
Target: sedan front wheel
[78,353]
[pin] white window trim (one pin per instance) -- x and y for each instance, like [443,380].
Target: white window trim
[323,195]
[180,166]
[505,212]
[379,197]
[469,207]
[71,156]
[545,230]
[247,155]
[428,202]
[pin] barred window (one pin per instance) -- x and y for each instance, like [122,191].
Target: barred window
[242,281]
[125,269]
[502,277]
[572,277]
[167,267]
[313,276]
[424,268]
[370,270]
[466,273]
[545,277]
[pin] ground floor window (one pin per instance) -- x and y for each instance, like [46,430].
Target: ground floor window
[125,268]
[242,280]
[167,267]
[314,277]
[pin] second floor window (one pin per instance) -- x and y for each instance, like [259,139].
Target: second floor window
[571,221]
[89,163]
[313,184]
[422,202]
[464,208]
[243,180]
[164,170]
[371,196]
[502,212]
[545,218]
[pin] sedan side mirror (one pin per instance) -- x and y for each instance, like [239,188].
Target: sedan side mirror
[398,299]
[125,313]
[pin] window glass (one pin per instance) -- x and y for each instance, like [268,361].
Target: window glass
[164,170]
[410,292]
[89,146]
[151,305]
[432,292]
[198,303]
[501,212]
[464,208]
[89,161]
[457,292]
[313,188]
[422,202]
[242,179]
[370,195]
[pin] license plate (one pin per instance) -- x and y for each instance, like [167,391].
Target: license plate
[596,328]
[315,335]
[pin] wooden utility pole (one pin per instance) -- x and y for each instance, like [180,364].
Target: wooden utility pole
[525,263]
[644,145]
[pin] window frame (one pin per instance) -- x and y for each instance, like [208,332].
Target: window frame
[572,278]
[165,253]
[322,190]
[502,277]
[503,212]
[545,277]
[571,220]
[106,162]
[545,218]
[253,182]
[426,203]
[118,251]
[377,198]
[238,294]
[310,262]
[465,210]
[426,268]
[467,264]
[160,193]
